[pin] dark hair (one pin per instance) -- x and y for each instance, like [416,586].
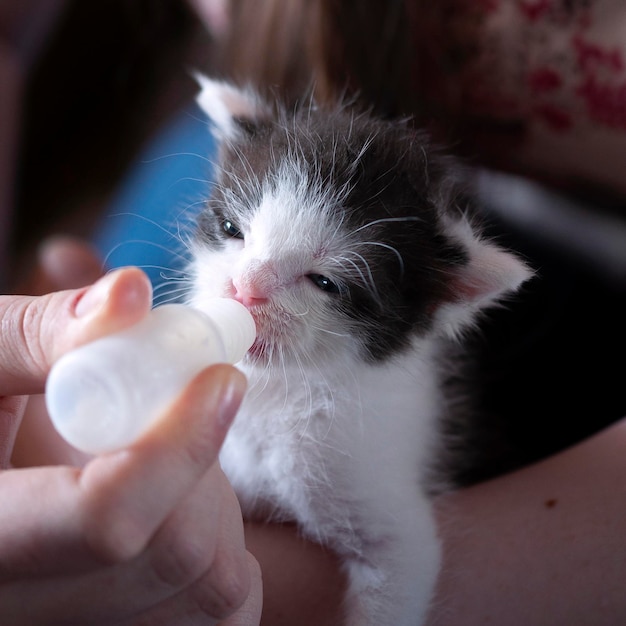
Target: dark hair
[363,49]
[337,48]
[111,72]
[267,45]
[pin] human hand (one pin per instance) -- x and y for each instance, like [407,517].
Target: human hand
[150,534]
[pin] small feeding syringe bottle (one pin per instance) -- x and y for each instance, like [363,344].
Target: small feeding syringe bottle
[105,394]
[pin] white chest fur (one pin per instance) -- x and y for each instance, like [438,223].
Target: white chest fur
[345,456]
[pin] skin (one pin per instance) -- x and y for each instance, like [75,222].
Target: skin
[156,524]
[541,546]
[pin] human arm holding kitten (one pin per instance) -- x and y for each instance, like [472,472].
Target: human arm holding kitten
[541,546]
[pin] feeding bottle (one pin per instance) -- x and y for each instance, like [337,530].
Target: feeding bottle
[105,394]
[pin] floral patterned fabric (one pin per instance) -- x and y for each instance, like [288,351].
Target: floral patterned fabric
[534,85]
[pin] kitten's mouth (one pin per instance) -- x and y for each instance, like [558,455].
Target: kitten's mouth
[271,327]
[263,349]
[257,349]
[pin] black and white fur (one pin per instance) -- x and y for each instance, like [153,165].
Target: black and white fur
[347,239]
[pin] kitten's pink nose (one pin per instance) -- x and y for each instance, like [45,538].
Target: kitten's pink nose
[249,294]
[247,300]
[256,283]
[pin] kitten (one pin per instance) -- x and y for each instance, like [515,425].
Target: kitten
[347,239]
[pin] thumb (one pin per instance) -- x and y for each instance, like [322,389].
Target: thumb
[36,331]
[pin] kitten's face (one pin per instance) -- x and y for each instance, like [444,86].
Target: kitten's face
[324,228]
[341,233]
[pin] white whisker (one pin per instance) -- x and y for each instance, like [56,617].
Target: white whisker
[172,155]
[367,280]
[331,332]
[388,247]
[144,242]
[185,278]
[388,219]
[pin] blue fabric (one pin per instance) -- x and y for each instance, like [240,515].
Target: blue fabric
[156,203]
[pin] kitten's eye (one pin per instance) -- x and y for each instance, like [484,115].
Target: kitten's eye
[323,283]
[231,229]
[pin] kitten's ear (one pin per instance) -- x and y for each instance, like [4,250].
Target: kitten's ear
[234,111]
[490,275]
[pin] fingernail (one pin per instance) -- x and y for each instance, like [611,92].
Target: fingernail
[95,296]
[233,388]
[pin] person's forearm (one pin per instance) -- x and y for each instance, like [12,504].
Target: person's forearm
[302,582]
[543,545]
